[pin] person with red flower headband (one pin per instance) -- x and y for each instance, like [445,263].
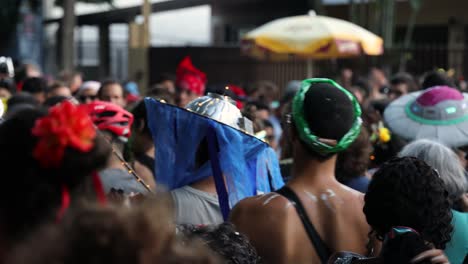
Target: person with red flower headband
[49,162]
[190,81]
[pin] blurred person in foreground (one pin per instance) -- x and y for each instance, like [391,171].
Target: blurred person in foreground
[140,234]
[190,82]
[408,209]
[232,246]
[445,161]
[51,176]
[313,215]
[113,92]
[115,123]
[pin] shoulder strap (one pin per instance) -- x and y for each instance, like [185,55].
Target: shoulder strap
[321,248]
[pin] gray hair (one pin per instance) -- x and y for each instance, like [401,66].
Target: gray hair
[444,160]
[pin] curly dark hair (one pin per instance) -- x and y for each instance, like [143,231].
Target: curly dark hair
[118,235]
[354,161]
[408,192]
[233,246]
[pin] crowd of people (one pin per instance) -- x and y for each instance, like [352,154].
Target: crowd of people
[348,169]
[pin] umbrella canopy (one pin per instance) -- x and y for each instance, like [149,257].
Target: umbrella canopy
[310,36]
[440,113]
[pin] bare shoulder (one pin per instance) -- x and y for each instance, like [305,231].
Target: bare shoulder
[353,195]
[265,221]
[260,206]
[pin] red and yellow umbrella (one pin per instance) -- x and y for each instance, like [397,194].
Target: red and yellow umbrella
[310,37]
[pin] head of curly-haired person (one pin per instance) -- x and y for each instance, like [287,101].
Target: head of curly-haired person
[224,240]
[115,235]
[33,193]
[353,162]
[445,161]
[408,192]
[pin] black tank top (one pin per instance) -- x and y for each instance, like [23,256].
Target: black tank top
[321,248]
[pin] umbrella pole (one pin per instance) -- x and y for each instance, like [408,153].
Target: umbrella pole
[310,68]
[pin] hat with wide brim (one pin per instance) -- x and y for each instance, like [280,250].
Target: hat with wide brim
[440,113]
[210,138]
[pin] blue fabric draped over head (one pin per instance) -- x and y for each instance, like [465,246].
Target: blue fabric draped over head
[241,165]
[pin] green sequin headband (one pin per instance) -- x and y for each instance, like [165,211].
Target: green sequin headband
[322,145]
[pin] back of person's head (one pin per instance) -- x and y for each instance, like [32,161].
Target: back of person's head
[328,113]
[35,85]
[106,83]
[118,235]
[56,85]
[54,100]
[164,77]
[140,122]
[444,160]
[161,93]
[404,78]
[354,161]
[407,192]
[436,78]
[19,102]
[22,98]
[36,168]
[226,241]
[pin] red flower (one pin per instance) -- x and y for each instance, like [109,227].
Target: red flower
[66,125]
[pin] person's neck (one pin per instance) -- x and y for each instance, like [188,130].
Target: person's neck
[115,163]
[205,185]
[150,151]
[313,173]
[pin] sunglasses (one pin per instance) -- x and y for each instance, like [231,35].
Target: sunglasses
[83,98]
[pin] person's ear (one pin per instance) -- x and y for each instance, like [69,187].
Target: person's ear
[292,132]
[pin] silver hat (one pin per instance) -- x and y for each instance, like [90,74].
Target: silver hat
[222,109]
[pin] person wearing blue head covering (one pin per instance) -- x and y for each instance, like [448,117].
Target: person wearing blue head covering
[207,157]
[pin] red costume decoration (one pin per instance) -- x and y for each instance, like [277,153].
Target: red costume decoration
[240,94]
[65,126]
[190,78]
